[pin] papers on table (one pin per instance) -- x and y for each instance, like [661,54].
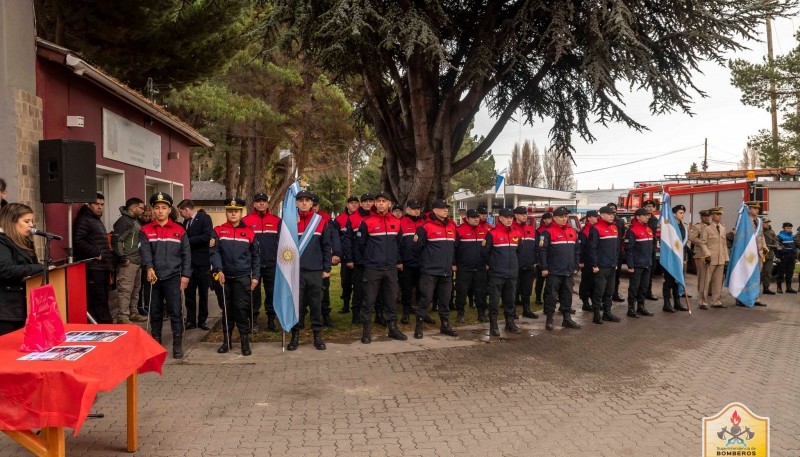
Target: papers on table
[104,336]
[65,353]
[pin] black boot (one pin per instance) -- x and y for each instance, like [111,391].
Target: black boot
[318,343]
[445,328]
[460,317]
[549,323]
[608,316]
[650,296]
[327,321]
[642,311]
[418,328]
[356,319]
[379,319]
[632,310]
[245,344]
[481,315]
[405,318]
[494,330]
[271,324]
[366,333]
[345,308]
[292,346]
[226,343]
[156,336]
[586,306]
[177,346]
[527,312]
[568,322]
[667,305]
[511,327]
[678,306]
[789,290]
[780,288]
[617,297]
[598,316]
[767,291]
[428,320]
[395,333]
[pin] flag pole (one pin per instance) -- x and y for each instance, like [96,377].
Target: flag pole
[283,341]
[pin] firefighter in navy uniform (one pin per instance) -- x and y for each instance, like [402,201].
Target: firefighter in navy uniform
[587,273]
[602,254]
[235,262]
[336,257]
[559,254]
[167,265]
[620,224]
[639,258]
[378,241]
[652,222]
[470,268]
[434,247]
[266,227]
[527,261]
[355,258]
[500,253]
[409,276]
[315,267]
[544,222]
[342,225]
[483,213]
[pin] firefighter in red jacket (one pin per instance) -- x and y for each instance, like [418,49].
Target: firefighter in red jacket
[602,254]
[500,253]
[483,214]
[559,253]
[409,276]
[378,242]
[341,224]
[544,222]
[336,248]
[434,245]
[585,288]
[470,268]
[527,261]
[355,258]
[639,257]
[266,227]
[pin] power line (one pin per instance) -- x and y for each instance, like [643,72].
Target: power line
[640,160]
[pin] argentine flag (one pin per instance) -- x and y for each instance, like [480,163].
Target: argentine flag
[286,295]
[672,243]
[743,278]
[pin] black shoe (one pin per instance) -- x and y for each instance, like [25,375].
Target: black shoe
[609,317]
[177,346]
[530,314]
[460,318]
[428,320]
[318,343]
[789,290]
[327,321]
[405,318]
[780,289]
[482,316]
[271,324]
[292,346]
[394,333]
[738,303]
[668,308]
[767,291]
[618,298]
[418,328]
[225,347]
[569,323]
[632,312]
[189,326]
[494,330]
[586,307]
[642,311]
[445,328]
[366,333]
[356,319]
[572,311]
[511,327]
[203,326]
[598,316]
[758,303]
[380,320]
[245,345]
[345,310]
[539,303]
[549,323]
[651,297]
[679,307]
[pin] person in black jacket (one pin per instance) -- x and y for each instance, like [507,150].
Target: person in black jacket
[620,224]
[500,253]
[198,228]
[125,244]
[559,256]
[89,238]
[602,256]
[17,260]
[639,258]
[652,222]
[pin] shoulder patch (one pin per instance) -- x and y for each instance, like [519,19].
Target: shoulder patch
[541,241]
[483,242]
[416,238]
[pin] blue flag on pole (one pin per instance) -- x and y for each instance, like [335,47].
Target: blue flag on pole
[286,295]
[743,278]
[672,243]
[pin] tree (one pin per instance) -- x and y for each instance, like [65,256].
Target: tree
[428,66]
[525,168]
[693,168]
[558,172]
[749,159]
[173,41]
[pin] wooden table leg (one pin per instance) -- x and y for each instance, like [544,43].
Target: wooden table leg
[55,441]
[49,444]
[133,417]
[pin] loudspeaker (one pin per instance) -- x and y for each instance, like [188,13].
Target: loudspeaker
[67,171]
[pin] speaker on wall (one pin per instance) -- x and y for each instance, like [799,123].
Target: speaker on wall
[67,171]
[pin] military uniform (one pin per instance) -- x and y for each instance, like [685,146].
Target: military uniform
[771,241]
[715,235]
[787,253]
[266,227]
[559,254]
[471,276]
[544,222]
[341,225]
[639,245]
[585,288]
[653,224]
[602,254]
[500,251]
[527,263]
[699,240]
[356,259]
[409,277]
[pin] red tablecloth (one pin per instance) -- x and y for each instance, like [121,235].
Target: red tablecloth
[36,394]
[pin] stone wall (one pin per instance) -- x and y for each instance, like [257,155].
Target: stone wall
[28,132]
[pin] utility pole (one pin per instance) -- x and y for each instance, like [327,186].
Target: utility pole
[773,92]
[705,156]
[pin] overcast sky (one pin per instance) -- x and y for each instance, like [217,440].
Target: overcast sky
[673,142]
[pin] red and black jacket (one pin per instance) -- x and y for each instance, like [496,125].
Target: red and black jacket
[336,243]
[165,249]
[408,227]
[468,247]
[639,245]
[527,245]
[355,221]
[317,255]
[340,225]
[235,251]
[583,238]
[486,226]
[378,241]
[267,228]
[435,244]
[500,251]
[559,250]
[602,247]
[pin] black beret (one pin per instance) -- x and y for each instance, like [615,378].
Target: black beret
[641,212]
[472,213]
[506,212]
[439,204]
[592,213]
[520,210]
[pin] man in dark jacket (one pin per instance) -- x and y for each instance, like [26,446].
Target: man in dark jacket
[602,256]
[199,229]
[266,226]
[620,224]
[409,277]
[639,257]
[470,269]
[125,243]
[559,256]
[652,222]
[342,225]
[500,251]
[355,261]
[89,238]
[587,276]
[527,261]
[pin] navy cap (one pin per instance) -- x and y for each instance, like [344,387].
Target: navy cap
[383,195]
[234,203]
[396,207]
[260,196]
[367,196]
[304,194]
[315,199]
[413,204]
[561,211]
[547,215]
[482,210]
[352,198]
[472,213]
[705,213]
[506,212]
[641,212]
[520,210]
[592,213]
[649,202]
[612,205]
[439,204]
[161,197]
[607,210]
[677,208]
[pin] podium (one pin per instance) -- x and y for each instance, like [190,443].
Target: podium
[69,283]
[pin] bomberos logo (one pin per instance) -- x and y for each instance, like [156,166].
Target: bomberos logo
[737,432]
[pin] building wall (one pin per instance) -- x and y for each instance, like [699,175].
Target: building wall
[65,93]
[28,132]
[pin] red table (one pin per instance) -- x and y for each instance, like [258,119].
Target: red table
[52,395]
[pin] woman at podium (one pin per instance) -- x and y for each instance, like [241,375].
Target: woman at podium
[17,260]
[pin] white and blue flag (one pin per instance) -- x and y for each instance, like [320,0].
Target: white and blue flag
[743,278]
[286,295]
[672,243]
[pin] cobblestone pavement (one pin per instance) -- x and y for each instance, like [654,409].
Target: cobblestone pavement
[637,388]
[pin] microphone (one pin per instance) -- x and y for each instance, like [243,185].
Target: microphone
[51,236]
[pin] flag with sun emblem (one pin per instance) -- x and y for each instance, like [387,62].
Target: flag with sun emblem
[286,294]
[672,243]
[743,278]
